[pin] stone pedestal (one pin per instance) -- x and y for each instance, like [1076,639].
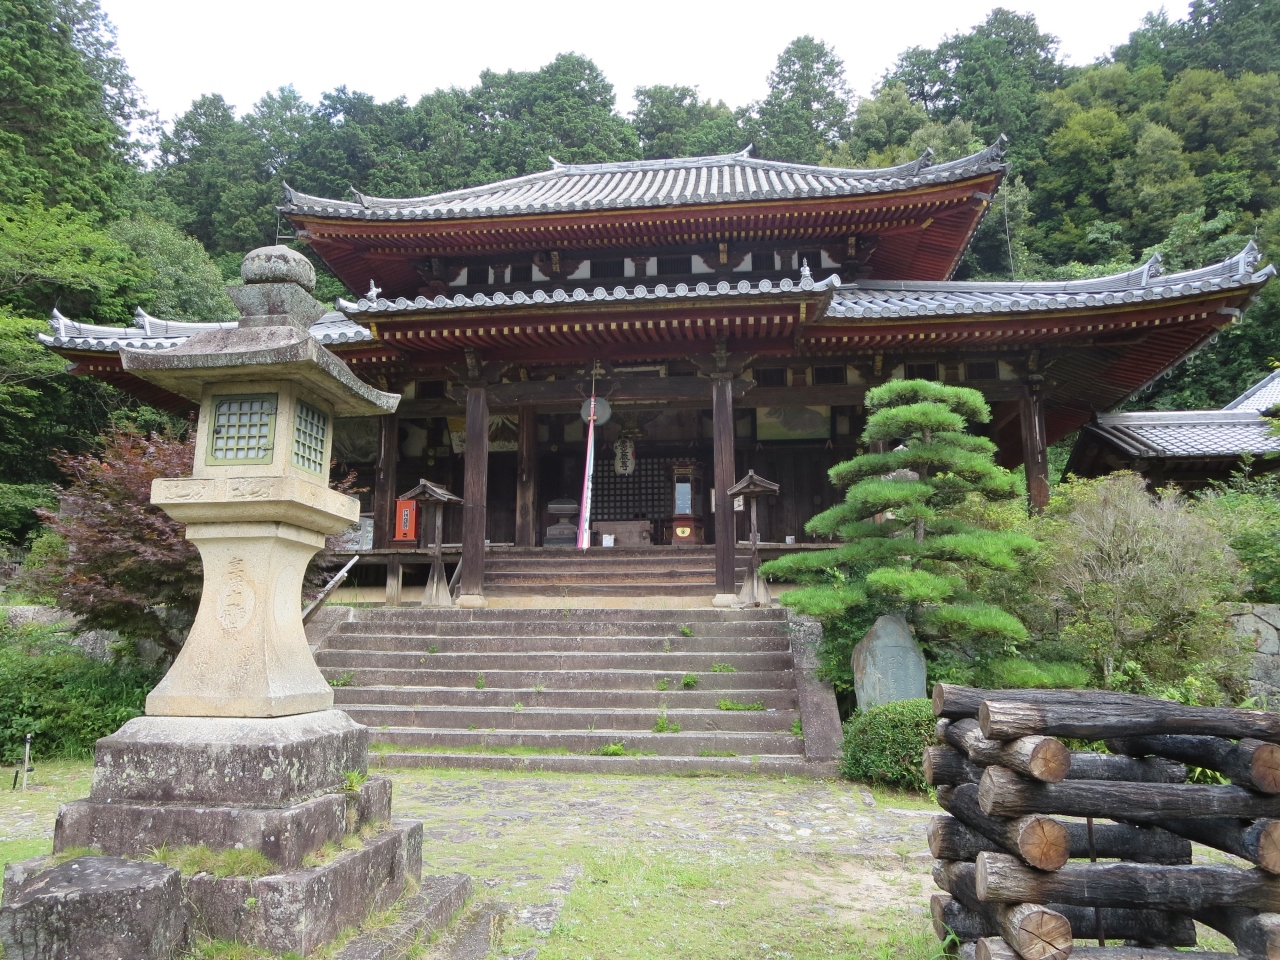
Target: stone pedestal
[286,787]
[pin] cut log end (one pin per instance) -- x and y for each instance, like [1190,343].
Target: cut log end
[1043,842]
[1050,761]
[995,948]
[1268,841]
[1264,766]
[1041,934]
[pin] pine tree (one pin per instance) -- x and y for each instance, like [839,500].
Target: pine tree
[905,549]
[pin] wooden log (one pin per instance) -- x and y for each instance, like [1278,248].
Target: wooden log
[952,918]
[995,948]
[956,702]
[1257,842]
[1255,935]
[1038,932]
[1041,758]
[949,839]
[1102,719]
[1147,953]
[1004,879]
[1248,763]
[1002,793]
[1150,927]
[946,766]
[1107,766]
[967,951]
[1040,841]
[725,475]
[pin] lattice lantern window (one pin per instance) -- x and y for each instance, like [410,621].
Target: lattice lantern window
[310,428]
[242,429]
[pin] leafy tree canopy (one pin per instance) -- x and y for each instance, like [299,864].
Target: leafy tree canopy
[1232,36]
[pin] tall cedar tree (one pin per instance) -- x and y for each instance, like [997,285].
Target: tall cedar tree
[903,551]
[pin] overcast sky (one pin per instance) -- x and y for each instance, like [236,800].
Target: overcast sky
[388,48]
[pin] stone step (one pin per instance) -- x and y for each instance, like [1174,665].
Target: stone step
[787,765]
[362,675]
[541,719]
[666,663]
[638,613]
[598,578]
[665,589]
[560,644]
[675,696]
[601,561]
[428,627]
[681,744]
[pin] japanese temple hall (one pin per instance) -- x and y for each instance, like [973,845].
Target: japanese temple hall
[729,312]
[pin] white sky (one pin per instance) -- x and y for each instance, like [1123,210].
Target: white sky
[180,49]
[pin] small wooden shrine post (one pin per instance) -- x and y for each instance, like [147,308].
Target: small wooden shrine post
[755,592]
[431,526]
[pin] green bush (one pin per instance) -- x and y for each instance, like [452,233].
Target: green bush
[67,699]
[886,744]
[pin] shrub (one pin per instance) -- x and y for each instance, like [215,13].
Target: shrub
[886,744]
[67,699]
[1247,512]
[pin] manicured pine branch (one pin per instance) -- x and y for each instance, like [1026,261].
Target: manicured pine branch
[1248,763]
[1002,793]
[1004,879]
[1095,719]
[946,766]
[1258,842]
[1038,932]
[1042,842]
[1041,758]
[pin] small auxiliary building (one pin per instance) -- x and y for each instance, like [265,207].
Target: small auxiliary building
[732,311]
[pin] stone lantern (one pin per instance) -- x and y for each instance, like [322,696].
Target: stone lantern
[258,503]
[241,747]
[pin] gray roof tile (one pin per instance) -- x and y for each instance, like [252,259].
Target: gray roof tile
[1187,433]
[650,183]
[1262,396]
[150,333]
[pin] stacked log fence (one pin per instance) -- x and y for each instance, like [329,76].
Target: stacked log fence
[1046,853]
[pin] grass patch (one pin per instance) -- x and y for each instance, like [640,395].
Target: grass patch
[723,668]
[797,728]
[354,779]
[689,681]
[686,630]
[479,681]
[343,681]
[620,750]
[716,753]
[664,684]
[221,863]
[735,705]
[664,725]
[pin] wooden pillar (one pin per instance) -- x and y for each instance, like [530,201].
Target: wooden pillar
[1035,451]
[475,492]
[527,478]
[725,477]
[384,483]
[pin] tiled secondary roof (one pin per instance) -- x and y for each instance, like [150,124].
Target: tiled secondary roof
[150,333]
[1262,396]
[911,298]
[651,183]
[661,291]
[1187,433]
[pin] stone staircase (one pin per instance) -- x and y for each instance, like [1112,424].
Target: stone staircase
[575,689]
[617,572]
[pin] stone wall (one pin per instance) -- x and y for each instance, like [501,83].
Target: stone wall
[1261,623]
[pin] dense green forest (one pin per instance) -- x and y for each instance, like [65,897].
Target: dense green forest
[1169,145]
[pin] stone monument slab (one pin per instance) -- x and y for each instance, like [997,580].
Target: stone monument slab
[888,664]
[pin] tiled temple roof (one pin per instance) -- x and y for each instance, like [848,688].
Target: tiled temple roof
[151,333]
[910,298]
[661,291]
[651,183]
[1187,433]
[1237,428]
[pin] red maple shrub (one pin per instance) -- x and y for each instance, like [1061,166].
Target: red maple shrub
[121,564]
